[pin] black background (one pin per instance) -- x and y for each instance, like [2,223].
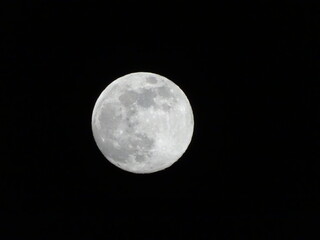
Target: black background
[251,73]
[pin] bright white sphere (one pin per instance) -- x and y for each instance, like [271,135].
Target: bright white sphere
[142,122]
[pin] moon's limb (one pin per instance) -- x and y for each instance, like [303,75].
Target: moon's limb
[142,122]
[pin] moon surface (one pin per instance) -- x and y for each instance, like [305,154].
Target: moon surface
[142,122]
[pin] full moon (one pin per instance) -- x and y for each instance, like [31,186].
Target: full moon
[142,122]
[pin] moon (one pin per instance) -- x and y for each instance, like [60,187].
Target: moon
[142,122]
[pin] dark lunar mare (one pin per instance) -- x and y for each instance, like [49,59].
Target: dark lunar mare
[110,121]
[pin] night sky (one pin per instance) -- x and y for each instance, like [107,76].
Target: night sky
[251,73]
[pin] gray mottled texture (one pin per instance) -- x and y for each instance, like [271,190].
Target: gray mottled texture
[142,122]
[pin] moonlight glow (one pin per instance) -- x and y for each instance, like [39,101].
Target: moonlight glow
[142,122]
